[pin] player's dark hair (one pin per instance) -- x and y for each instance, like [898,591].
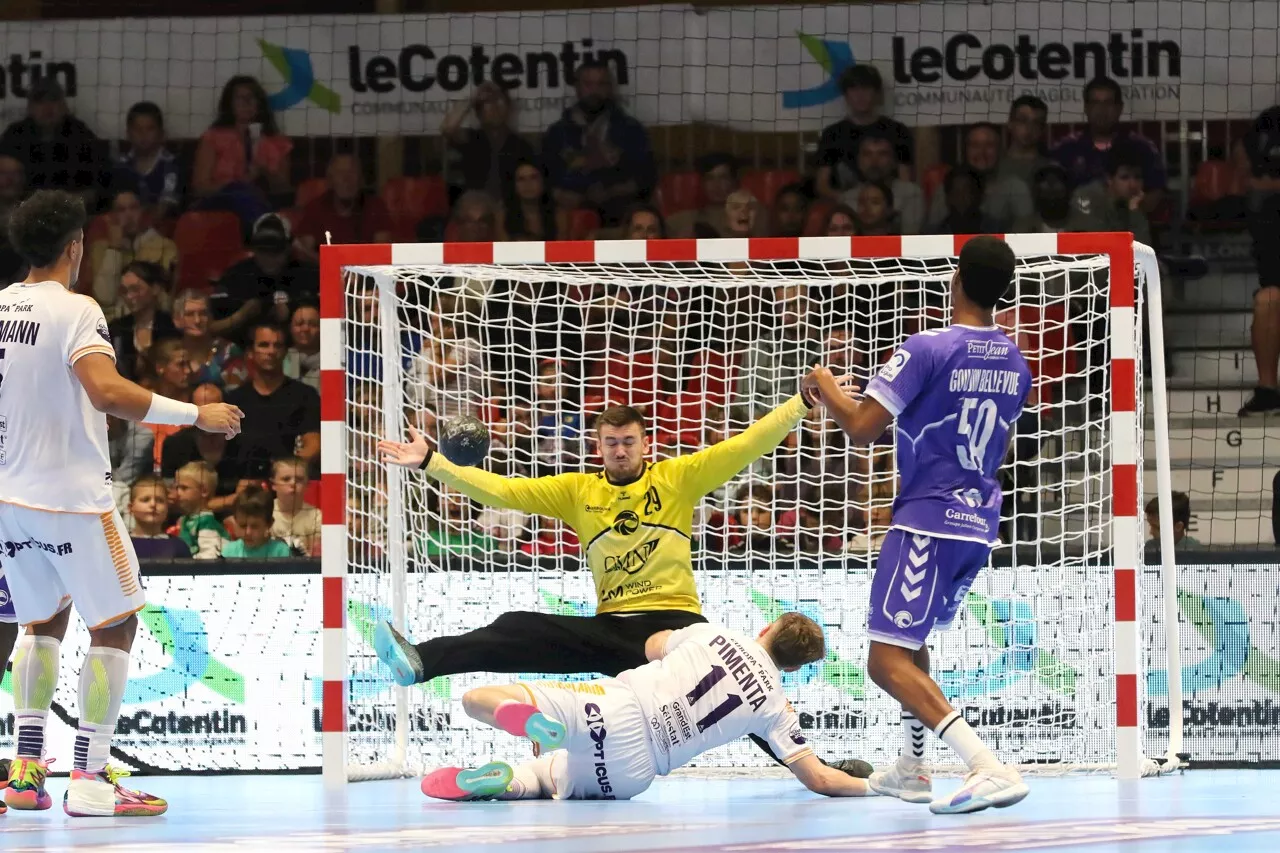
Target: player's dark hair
[1028,101]
[145,109]
[42,226]
[986,270]
[797,640]
[1181,507]
[256,502]
[619,416]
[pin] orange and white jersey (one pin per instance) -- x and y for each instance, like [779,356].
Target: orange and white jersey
[53,443]
[712,687]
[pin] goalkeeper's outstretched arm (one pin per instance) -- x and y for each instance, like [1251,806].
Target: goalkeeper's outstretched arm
[547,496]
[712,467]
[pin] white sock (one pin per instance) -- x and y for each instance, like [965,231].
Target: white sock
[102,683]
[35,676]
[912,740]
[531,781]
[956,733]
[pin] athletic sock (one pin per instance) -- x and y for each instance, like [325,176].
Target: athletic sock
[957,734]
[531,781]
[912,740]
[102,683]
[35,676]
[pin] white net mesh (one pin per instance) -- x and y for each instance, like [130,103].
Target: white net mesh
[703,349]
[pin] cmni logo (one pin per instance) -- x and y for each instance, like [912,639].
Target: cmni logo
[834,57]
[300,79]
[632,561]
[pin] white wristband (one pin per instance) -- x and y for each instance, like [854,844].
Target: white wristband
[165,410]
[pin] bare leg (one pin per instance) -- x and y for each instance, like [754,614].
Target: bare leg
[481,702]
[903,674]
[1265,334]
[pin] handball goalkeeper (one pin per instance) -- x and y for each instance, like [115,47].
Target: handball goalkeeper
[635,520]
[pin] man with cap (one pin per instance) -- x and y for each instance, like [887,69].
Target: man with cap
[57,150]
[266,286]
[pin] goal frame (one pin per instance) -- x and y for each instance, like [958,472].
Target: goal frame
[1122,251]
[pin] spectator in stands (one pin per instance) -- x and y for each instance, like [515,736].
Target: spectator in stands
[129,238]
[962,197]
[447,377]
[168,374]
[243,157]
[484,158]
[345,212]
[839,148]
[1113,204]
[790,211]
[874,207]
[1083,153]
[1051,200]
[213,359]
[131,449]
[265,286]
[302,361]
[842,221]
[779,352]
[282,415]
[720,178]
[254,519]
[189,445]
[56,149]
[193,485]
[741,215]
[296,521]
[550,430]
[1028,119]
[528,212]
[644,222]
[1005,200]
[473,219]
[149,509]
[13,184]
[878,521]
[1181,523]
[752,527]
[1258,155]
[877,161]
[596,155]
[148,167]
[144,323]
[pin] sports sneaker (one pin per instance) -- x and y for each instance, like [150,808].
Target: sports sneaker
[909,784]
[1000,786]
[101,795]
[26,785]
[855,767]
[398,654]
[465,786]
[523,720]
[1263,400]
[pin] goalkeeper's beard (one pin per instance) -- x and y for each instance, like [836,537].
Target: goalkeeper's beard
[623,470]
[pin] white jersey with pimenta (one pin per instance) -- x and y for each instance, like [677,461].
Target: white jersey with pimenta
[53,443]
[712,687]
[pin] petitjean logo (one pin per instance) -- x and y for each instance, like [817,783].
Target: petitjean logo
[834,57]
[300,80]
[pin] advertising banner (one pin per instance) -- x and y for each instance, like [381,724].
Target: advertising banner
[757,68]
[1028,661]
[219,678]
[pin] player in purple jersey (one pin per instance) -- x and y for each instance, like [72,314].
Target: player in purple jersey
[956,394]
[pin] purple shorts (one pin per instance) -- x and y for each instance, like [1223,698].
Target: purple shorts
[918,585]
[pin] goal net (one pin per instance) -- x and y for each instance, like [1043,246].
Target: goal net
[1050,657]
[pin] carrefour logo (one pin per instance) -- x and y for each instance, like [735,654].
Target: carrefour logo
[834,57]
[299,78]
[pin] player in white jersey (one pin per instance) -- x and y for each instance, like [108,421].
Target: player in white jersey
[606,740]
[63,540]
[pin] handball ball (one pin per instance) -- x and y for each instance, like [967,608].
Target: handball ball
[464,441]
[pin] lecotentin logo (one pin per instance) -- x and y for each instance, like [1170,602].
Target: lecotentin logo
[834,57]
[182,635]
[300,80]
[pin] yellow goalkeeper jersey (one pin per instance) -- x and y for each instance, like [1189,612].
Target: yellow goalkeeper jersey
[636,537]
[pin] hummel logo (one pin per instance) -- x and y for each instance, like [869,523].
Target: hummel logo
[918,556]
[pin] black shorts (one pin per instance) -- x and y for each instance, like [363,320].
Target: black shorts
[1264,227]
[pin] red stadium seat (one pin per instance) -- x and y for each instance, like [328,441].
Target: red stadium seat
[931,180]
[292,215]
[582,224]
[411,200]
[630,380]
[1214,180]
[764,184]
[310,190]
[208,243]
[1046,342]
[680,191]
[714,375]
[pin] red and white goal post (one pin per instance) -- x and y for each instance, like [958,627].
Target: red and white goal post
[1050,657]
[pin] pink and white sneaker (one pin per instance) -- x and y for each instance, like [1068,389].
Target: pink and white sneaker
[101,795]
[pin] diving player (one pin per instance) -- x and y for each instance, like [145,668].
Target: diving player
[956,394]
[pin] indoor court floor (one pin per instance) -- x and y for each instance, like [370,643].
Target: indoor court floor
[1193,812]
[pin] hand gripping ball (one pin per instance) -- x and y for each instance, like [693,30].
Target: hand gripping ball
[464,441]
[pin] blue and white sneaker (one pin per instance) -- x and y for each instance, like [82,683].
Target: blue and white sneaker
[987,787]
[460,785]
[398,654]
